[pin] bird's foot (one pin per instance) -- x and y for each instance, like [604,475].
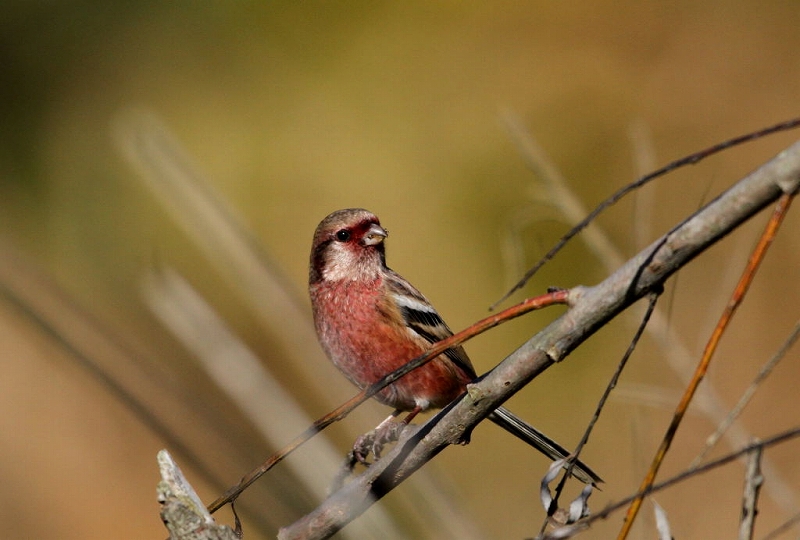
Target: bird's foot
[374,441]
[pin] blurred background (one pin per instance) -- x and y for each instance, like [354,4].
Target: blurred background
[284,112]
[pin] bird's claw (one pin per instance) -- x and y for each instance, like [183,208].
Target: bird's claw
[375,440]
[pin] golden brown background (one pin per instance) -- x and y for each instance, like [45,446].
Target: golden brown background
[294,110]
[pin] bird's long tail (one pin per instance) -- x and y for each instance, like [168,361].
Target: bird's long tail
[544,444]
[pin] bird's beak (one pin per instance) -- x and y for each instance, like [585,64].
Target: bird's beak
[375,235]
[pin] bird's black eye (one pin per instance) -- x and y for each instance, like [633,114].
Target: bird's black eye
[343,235]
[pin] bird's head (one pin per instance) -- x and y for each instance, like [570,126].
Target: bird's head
[348,245]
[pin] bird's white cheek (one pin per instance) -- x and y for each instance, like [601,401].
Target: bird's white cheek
[338,265]
[345,264]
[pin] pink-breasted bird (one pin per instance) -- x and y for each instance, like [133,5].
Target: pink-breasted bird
[370,321]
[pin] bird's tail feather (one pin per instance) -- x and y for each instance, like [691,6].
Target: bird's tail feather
[544,444]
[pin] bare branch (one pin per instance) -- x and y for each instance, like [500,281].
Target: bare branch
[752,487]
[181,509]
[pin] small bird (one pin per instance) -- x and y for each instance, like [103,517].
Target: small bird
[370,321]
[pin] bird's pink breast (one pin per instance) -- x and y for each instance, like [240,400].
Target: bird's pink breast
[366,340]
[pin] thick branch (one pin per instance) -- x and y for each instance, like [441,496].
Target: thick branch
[590,309]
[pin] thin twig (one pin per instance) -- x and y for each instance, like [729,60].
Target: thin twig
[738,295]
[736,411]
